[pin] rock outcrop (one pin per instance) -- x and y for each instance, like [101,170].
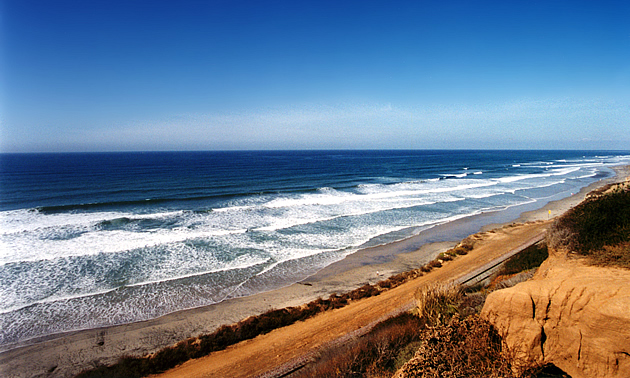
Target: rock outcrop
[570,314]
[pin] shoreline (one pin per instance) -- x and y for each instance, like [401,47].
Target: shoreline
[68,353]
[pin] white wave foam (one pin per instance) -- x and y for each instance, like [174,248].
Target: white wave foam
[157,267]
[53,299]
[16,221]
[232,208]
[36,238]
[241,263]
[31,236]
[326,221]
[35,246]
[556,172]
[588,175]
[306,200]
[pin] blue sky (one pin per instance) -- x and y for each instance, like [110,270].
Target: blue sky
[205,75]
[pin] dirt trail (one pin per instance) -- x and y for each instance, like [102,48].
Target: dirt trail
[267,352]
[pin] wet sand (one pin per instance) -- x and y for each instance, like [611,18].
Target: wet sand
[286,349]
[69,353]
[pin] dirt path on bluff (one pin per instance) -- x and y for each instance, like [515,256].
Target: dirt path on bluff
[279,347]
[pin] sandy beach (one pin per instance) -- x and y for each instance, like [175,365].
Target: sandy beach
[69,353]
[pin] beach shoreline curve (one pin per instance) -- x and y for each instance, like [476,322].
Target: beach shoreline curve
[68,353]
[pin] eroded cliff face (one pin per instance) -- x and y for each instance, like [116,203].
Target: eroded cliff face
[570,314]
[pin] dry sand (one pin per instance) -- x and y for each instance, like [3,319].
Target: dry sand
[69,353]
[259,355]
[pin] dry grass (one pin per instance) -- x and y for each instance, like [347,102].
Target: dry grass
[446,336]
[167,358]
[388,348]
[617,255]
[468,347]
[379,354]
[437,303]
[438,341]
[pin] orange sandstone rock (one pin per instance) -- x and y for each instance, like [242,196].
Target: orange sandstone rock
[570,314]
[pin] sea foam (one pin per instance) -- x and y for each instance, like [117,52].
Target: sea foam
[90,264]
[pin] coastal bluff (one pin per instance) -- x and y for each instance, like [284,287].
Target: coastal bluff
[570,314]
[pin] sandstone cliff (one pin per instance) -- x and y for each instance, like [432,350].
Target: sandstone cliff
[570,314]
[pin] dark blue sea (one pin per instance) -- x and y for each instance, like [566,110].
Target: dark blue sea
[89,240]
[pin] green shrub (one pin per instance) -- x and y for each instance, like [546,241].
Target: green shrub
[425,269]
[464,247]
[531,257]
[593,224]
[451,252]
[251,327]
[364,291]
[445,256]
[452,345]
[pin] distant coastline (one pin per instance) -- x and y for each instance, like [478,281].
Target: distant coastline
[95,240]
[495,239]
[368,265]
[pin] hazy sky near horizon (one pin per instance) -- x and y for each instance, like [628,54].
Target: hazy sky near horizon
[109,75]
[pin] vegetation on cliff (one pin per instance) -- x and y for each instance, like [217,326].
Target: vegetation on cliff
[443,337]
[452,340]
[378,354]
[598,228]
[224,336]
[435,328]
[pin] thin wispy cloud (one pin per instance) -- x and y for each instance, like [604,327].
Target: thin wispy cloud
[369,126]
[121,75]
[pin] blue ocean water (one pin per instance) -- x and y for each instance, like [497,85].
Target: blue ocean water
[89,240]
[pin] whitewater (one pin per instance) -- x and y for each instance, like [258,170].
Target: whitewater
[91,240]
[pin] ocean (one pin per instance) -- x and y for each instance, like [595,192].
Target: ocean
[97,239]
